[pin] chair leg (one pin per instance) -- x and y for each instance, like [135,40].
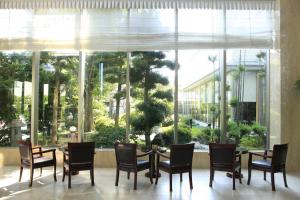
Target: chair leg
[117,177]
[135,180]
[69,178]
[21,172]
[180,177]
[92,176]
[240,175]
[150,175]
[272,181]
[211,175]
[157,172]
[284,177]
[54,173]
[170,176]
[233,179]
[265,175]
[31,176]
[191,179]
[64,174]
[249,175]
[41,171]
[128,175]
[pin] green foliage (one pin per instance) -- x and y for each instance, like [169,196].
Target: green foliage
[233,102]
[5,137]
[148,88]
[207,135]
[204,135]
[195,131]
[105,136]
[297,86]
[252,142]
[258,129]
[233,130]
[103,121]
[245,129]
[184,134]
[185,120]
[168,121]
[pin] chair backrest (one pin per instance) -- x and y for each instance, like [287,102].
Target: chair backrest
[25,149]
[125,154]
[222,155]
[279,155]
[81,152]
[181,155]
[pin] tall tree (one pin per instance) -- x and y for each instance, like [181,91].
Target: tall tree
[147,83]
[113,72]
[63,65]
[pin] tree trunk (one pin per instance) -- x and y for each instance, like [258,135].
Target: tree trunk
[55,108]
[23,97]
[146,100]
[89,121]
[118,104]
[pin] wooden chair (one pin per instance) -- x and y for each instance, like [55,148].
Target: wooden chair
[33,158]
[223,158]
[79,157]
[126,159]
[276,164]
[179,161]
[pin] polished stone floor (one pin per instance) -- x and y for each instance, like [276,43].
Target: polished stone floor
[45,188]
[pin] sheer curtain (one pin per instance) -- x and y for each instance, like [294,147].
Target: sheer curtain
[133,29]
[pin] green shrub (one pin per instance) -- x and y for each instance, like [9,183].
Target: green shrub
[167,122]
[204,136]
[216,133]
[105,136]
[245,129]
[209,135]
[104,121]
[233,130]
[184,134]
[185,120]
[258,129]
[252,142]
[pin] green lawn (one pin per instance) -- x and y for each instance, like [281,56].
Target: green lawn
[195,131]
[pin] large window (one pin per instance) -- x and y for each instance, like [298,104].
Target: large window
[147,43]
[15,97]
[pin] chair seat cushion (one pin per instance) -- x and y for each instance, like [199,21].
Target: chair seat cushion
[165,164]
[261,163]
[143,164]
[42,159]
[43,162]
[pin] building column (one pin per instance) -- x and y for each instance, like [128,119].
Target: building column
[35,98]
[176,119]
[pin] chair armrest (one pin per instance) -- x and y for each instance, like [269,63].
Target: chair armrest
[162,155]
[145,154]
[260,155]
[45,151]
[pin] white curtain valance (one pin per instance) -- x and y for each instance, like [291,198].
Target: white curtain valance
[139,4]
[134,29]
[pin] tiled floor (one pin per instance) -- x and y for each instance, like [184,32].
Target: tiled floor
[45,188]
